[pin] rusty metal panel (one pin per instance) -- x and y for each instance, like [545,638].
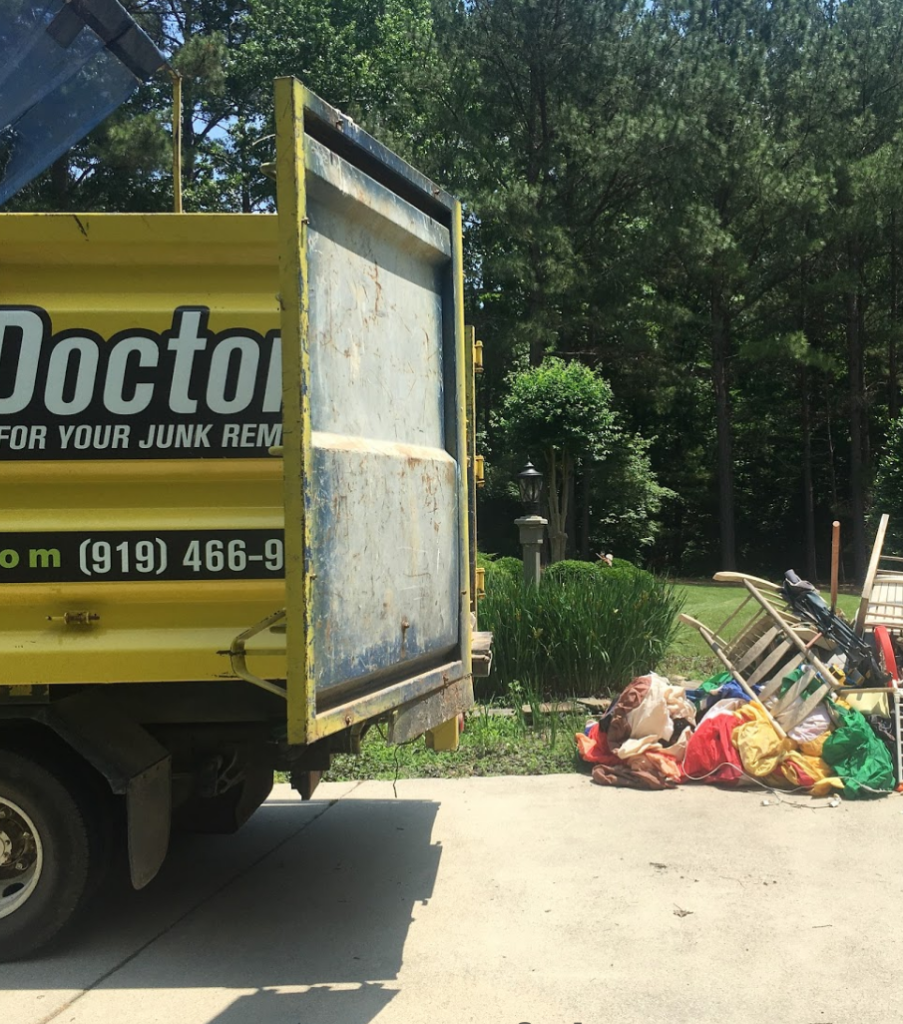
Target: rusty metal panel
[385,536]
[385,550]
[413,720]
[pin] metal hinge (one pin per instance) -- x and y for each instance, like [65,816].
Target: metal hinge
[75,618]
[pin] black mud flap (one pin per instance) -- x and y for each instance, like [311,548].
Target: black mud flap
[135,765]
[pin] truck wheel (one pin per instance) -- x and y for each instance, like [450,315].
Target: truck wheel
[44,856]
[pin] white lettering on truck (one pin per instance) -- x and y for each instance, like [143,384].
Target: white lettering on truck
[114,386]
[31,329]
[188,370]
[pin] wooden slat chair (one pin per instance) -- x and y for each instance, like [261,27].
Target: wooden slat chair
[771,643]
[881,603]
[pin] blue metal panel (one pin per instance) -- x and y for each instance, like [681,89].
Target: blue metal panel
[384,488]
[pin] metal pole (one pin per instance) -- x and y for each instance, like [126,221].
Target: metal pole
[176,141]
[835,563]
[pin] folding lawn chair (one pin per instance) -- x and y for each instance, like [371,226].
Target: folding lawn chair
[771,643]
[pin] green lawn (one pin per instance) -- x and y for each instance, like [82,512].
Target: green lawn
[711,603]
[492,744]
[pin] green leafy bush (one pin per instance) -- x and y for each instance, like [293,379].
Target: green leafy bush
[570,569]
[576,637]
[620,568]
[513,568]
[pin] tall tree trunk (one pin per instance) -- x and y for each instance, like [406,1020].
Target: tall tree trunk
[585,491]
[832,469]
[832,463]
[536,311]
[861,304]
[59,180]
[808,490]
[809,546]
[857,402]
[570,522]
[893,391]
[188,135]
[558,487]
[721,380]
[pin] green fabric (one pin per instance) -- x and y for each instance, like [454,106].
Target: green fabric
[712,683]
[715,682]
[814,683]
[788,681]
[857,755]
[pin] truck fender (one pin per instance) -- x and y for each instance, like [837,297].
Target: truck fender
[134,764]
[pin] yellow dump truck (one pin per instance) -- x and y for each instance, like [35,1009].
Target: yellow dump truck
[234,518]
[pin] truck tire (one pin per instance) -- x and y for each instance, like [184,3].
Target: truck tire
[45,854]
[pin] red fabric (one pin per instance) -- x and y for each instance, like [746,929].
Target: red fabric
[593,747]
[711,755]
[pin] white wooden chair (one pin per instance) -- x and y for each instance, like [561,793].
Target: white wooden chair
[770,643]
[881,603]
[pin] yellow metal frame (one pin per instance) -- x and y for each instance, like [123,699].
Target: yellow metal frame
[291,200]
[238,653]
[462,364]
[474,470]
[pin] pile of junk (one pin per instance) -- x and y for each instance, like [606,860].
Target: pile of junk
[807,701]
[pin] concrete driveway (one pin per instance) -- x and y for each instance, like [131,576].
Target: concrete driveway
[499,901]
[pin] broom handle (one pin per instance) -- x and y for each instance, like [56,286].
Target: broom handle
[835,563]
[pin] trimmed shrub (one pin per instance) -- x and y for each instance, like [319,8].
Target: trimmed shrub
[576,637]
[622,569]
[511,568]
[570,569]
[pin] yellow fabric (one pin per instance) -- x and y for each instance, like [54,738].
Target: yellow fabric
[760,748]
[827,786]
[780,762]
[814,767]
[813,748]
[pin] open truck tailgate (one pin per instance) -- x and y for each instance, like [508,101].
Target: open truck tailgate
[377,566]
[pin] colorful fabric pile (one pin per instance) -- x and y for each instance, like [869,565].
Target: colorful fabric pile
[642,740]
[657,736]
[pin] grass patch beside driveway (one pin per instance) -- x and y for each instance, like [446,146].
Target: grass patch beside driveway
[492,744]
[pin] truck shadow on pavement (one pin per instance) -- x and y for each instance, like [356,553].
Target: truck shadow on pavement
[313,898]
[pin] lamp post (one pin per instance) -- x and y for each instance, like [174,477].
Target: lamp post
[531,525]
